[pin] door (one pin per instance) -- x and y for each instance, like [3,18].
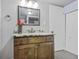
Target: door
[57,25]
[72,32]
[45,51]
[25,52]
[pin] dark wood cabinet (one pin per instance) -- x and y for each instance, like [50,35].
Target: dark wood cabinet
[40,47]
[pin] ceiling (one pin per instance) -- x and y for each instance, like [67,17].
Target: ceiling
[58,2]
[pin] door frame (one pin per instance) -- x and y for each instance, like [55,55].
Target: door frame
[65,24]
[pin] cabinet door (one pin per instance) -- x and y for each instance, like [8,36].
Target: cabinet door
[25,52]
[46,51]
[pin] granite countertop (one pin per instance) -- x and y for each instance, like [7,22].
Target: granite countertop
[32,34]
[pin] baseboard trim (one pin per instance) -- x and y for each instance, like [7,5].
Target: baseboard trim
[66,51]
[71,53]
[59,50]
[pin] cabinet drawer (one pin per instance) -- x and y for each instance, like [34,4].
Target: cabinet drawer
[40,39]
[32,39]
[21,41]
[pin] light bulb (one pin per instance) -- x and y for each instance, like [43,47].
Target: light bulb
[29,4]
[23,3]
[35,5]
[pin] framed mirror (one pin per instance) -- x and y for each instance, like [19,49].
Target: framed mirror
[30,16]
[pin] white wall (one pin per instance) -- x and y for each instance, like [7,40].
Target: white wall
[0,23]
[44,18]
[7,51]
[8,7]
[57,24]
[72,32]
[71,7]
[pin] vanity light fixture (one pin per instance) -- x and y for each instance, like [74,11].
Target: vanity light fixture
[35,5]
[29,3]
[23,3]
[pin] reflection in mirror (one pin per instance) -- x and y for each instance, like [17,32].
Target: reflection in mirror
[29,16]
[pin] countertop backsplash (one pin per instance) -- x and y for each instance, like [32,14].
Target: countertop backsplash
[27,29]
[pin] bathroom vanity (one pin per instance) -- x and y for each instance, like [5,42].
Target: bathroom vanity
[34,46]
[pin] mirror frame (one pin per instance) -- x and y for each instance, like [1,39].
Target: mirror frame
[29,24]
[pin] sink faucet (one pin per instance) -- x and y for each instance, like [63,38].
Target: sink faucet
[31,30]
